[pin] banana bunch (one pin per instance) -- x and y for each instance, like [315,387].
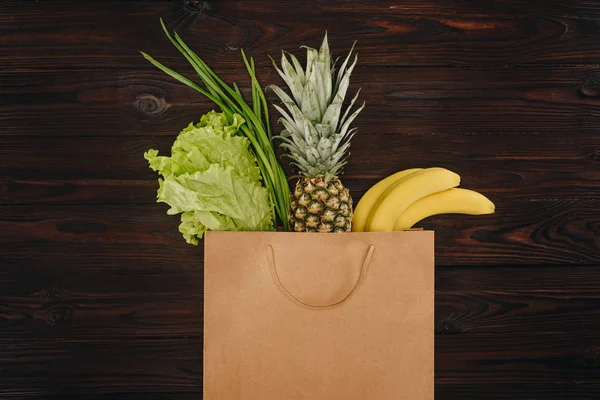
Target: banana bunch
[399,201]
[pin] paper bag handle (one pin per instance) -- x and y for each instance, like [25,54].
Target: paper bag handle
[294,299]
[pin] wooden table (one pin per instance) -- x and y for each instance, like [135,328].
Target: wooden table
[101,298]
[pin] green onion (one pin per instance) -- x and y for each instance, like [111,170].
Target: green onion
[229,99]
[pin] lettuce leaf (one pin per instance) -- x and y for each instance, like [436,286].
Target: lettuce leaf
[212,179]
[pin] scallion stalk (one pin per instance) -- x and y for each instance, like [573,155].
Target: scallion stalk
[229,99]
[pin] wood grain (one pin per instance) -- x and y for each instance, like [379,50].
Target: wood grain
[534,232]
[100,298]
[112,169]
[124,324]
[90,156]
[76,191]
[540,99]
[413,32]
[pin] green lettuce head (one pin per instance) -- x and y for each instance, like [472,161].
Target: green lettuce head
[213,180]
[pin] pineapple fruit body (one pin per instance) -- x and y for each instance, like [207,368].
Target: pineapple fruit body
[317,137]
[320,205]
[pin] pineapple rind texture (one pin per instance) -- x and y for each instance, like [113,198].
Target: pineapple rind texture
[320,206]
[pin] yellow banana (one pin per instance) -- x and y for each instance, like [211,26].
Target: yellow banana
[450,201]
[402,193]
[364,206]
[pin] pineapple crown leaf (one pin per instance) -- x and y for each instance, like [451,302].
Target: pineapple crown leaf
[351,105]
[297,66]
[289,76]
[317,130]
[350,119]
[344,64]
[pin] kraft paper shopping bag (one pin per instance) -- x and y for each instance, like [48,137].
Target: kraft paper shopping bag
[319,316]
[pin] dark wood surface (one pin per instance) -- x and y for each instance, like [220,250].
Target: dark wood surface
[100,298]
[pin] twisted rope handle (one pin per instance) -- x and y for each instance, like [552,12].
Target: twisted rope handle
[294,299]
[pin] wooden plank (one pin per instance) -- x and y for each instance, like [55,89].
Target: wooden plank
[411,33]
[76,191]
[480,301]
[550,389]
[520,232]
[540,99]
[133,365]
[82,301]
[536,186]
[531,365]
[142,328]
[112,169]
[501,366]
[104,299]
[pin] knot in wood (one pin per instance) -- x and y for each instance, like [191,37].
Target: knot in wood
[150,104]
[196,6]
[60,315]
[448,326]
[591,356]
[590,86]
[51,293]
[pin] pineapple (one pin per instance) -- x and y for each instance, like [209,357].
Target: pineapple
[317,138]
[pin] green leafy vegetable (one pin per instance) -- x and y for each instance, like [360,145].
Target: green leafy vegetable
[212,179]
[229,99]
